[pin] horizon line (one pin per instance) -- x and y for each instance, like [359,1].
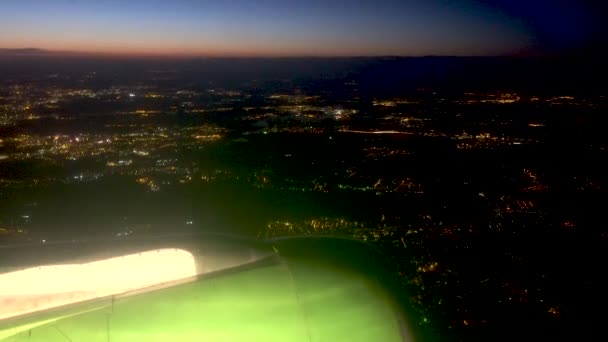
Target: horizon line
[39,52]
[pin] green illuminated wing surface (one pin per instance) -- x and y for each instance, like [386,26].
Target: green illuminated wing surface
[286,300]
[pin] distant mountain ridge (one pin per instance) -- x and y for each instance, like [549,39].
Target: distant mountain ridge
[24,51]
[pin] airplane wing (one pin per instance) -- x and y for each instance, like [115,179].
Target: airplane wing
[288,297]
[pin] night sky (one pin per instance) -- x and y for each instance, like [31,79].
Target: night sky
[298,28]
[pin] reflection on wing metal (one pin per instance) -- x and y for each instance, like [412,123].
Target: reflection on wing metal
[198,288]
[44,287]
[108,269]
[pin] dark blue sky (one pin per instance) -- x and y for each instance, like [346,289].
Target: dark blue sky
[295,28]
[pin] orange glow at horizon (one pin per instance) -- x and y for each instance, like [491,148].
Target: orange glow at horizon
[260,28]
[212,50]
[214,47]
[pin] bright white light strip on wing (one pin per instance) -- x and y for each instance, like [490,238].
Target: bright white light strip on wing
[45,287]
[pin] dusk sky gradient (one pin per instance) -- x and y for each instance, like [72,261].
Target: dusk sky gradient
[293,28]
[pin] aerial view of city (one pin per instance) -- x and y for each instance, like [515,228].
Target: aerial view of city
[476,173]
